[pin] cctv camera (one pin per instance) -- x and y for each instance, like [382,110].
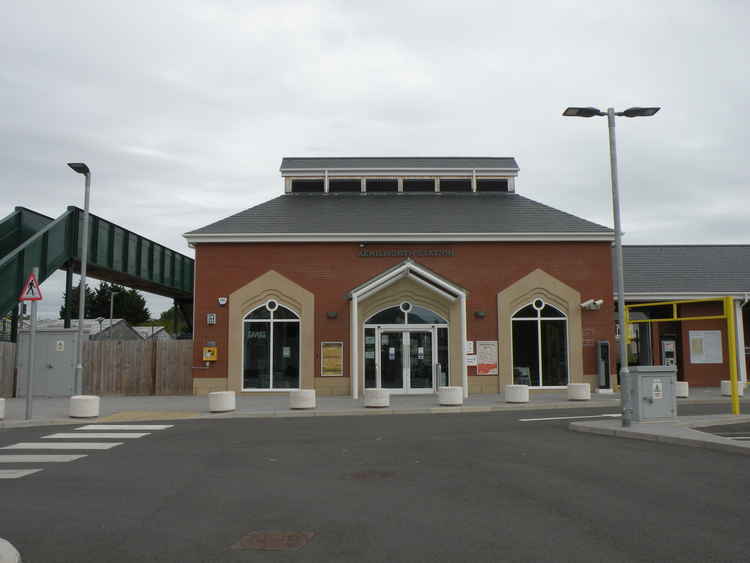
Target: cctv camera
[587,304]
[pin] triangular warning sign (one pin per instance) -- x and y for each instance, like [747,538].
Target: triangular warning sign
[31,290]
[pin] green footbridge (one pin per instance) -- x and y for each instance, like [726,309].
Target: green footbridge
[115,255]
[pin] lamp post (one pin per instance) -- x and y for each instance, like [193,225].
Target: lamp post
[81,168]
[111,309]
[626,399]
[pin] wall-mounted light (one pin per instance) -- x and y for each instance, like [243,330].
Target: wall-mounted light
[332,314]
[480,314]
[222,301]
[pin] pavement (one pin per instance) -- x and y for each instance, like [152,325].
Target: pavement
[494,486]
[53,411]
[694,431]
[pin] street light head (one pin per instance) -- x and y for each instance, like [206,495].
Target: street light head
[582,112]
[79,167]
[639,112]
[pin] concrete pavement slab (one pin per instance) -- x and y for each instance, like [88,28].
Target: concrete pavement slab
[683,430]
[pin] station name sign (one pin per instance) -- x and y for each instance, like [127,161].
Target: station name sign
[406,253]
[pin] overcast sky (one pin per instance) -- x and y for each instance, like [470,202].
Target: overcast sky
[183,110]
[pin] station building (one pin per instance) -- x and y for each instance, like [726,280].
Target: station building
[405,274]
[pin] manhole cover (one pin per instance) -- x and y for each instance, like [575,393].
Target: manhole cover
[274,541]
[370,475]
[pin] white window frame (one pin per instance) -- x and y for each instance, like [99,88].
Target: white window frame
[271,321]
[539,320]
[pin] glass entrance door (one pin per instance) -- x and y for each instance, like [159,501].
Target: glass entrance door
[406,361]
[391,360]
[421,374]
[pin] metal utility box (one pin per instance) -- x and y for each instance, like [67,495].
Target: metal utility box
[54,365]
[653,392]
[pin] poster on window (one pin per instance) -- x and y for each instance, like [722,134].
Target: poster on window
[487,357]
[705,347]
[331,359]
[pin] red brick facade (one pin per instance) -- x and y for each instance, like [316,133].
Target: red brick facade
[331,270]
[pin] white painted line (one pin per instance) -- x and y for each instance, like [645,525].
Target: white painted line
[570,417]
[125,427]
[39,458]
[62,446]
[100,435]
[16,473]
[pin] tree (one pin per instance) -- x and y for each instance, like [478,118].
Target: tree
[90,305]
[166,319]
[129,304]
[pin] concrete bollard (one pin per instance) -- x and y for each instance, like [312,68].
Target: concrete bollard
[302,399]
[221,401]
[726,388]
[579,392]
[451,396]
[84,406]
[516,393]
[2,409]
[377,398]
[681,389]
[8,553]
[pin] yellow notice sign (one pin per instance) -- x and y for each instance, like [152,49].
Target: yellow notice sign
[331,359]
[210,353]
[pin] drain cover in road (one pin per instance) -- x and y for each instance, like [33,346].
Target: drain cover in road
[274,541]
[371,475]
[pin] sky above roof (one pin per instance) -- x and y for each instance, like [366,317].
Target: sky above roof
[183,110]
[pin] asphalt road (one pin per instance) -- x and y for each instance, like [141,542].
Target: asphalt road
[469,487]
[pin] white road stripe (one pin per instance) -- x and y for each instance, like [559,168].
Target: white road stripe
[125,427]
[570,417]
[39,458]
[16,473]
[62,446]
[100,435]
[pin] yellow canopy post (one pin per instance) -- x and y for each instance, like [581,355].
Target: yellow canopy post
[729,312]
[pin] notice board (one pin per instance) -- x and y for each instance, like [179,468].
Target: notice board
[331,359]
[705,347]
[486,357]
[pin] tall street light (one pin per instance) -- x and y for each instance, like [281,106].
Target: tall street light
[81,168]
[625,397]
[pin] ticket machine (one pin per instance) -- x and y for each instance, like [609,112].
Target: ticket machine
[668,353]
[602,363]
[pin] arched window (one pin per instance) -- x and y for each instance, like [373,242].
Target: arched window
[540,345]
[271,348]
[406,313]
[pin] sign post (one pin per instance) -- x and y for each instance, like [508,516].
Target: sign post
[31,292]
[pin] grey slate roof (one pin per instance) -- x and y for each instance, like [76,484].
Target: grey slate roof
[686,268]
[375,213]
[291,163]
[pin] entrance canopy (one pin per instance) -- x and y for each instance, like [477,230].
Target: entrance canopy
[419,275]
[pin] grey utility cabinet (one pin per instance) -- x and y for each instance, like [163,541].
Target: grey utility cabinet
[653,392]
[54,366]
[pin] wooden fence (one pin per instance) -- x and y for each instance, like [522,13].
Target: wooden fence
[131,367]
[7,368]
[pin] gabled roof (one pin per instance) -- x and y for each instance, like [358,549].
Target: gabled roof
[400,162]
[400,216]
[690,270]
[147,332]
